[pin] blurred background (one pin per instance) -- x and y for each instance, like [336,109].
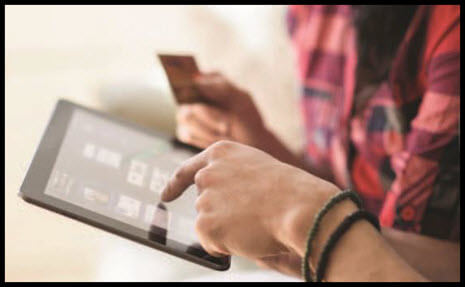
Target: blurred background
[103,57]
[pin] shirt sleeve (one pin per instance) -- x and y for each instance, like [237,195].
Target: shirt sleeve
[432,132]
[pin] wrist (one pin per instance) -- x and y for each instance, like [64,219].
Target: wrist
[309,196]
[301,219]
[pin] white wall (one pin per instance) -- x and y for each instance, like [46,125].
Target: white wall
[102,56]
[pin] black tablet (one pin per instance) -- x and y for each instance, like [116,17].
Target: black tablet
[109,173]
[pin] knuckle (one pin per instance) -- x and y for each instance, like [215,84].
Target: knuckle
[202,178]
[184,133]
[220,148]
[209,234]
[184,113]
[217,78]
[216,152]
[203,225]
[197,108]
[202,204]
[226,144]
[220,77]
[216,74]
[198,204]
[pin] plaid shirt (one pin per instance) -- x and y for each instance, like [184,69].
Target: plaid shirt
[400,149]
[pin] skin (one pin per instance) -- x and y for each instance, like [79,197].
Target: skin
[230,180]
[231,115]
[437,260]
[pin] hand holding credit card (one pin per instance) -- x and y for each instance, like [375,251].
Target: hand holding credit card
[180,71]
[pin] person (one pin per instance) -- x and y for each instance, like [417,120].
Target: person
[380,102]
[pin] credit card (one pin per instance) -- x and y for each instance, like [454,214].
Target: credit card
[180,71]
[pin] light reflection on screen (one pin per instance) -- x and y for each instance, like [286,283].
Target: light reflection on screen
[119,172]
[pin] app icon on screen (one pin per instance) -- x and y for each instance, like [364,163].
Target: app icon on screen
[61,182]
[158,181]
[128,206]
[137,170]
[108,157]
[96,196]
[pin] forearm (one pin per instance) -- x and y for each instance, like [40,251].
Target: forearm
[438,260]
[361,254]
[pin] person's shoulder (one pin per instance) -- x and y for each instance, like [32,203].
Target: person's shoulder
[443,31]
[445,13]
[442,18]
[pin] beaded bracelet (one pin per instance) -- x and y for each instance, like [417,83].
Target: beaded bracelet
[316,224]
[337,234]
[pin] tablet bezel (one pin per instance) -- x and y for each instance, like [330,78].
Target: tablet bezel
[34,184]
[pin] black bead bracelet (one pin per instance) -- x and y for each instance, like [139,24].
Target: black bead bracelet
[337,234]
[346,194]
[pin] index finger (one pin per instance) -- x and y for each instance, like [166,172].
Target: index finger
[183,177]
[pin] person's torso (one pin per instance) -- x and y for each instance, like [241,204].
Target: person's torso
[355,131]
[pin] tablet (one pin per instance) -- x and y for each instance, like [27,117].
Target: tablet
[109,173]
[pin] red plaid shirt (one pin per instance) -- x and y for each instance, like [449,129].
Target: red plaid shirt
[401,150]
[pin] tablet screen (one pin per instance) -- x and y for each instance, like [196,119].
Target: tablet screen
[119,172]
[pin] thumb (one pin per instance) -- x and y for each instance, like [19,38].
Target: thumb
[215,88]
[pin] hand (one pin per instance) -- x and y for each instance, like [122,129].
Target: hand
[229,115]
[248,201]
